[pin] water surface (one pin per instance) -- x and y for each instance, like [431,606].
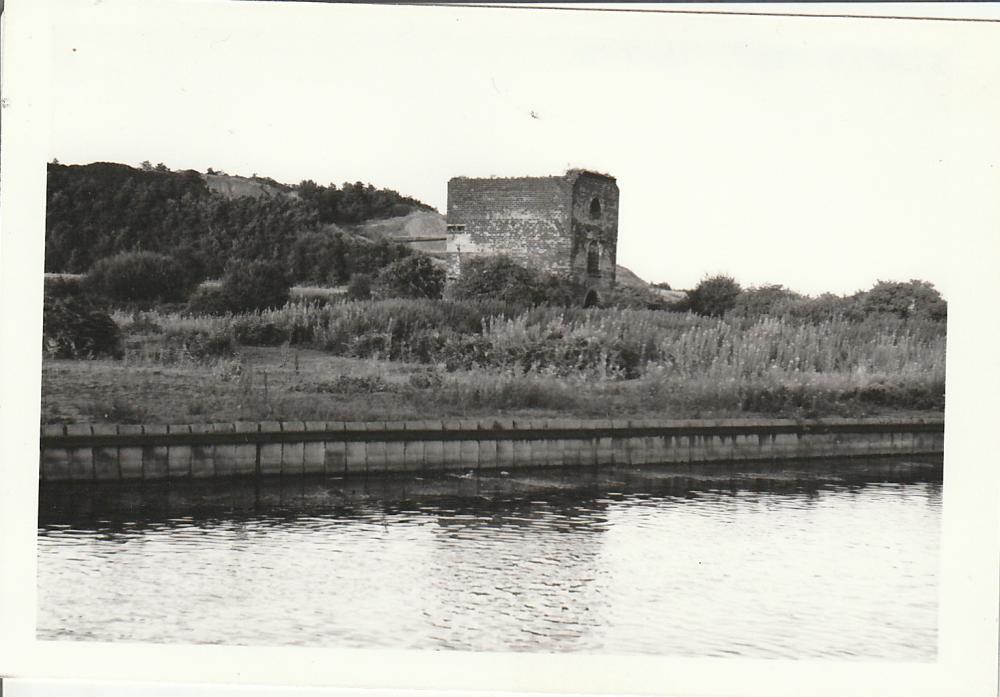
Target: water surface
[817,560]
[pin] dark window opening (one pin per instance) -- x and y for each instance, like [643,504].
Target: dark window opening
[595,209]
[591,300]
[593,258]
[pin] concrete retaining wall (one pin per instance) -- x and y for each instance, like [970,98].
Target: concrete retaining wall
[82,452]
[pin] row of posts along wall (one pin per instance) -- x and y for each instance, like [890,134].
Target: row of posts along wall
[82,452]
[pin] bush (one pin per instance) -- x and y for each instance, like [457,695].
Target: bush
[905,300]
[254,285]
[562,291]
[495,277]
[77,327]
[207,301]
[193,263]
[254,332]
[140,277]
[501,278]
[63,286]
[632,298]
[825,308]
[714,296]
[764,301]
[410,277]
[320,257]
[360,287]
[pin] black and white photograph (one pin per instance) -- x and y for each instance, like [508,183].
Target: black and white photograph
[546,339]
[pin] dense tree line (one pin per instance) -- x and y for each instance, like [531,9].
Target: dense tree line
[98,210]
[721,295]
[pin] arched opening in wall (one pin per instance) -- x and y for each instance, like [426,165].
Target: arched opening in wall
[592,299]
[595,208]
[593,258]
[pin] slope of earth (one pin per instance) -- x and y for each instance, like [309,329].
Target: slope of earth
[421,230]
[626,277]
[234,187]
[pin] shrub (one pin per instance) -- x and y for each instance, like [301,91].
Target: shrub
[320,257]
[410,277]
[562,291]
[207,301]
[62,286]
[140,277]
[360,287]
[714,296]
[494,277]
[255,332]
[193,263]
[905,300]
[764,301]
[632,298]
[77,327]
[254,285]
[501,278]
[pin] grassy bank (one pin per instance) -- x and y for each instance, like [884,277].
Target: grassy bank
[276,384]
[421,359]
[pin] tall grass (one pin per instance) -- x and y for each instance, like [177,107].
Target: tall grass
[486,358]
[598,344]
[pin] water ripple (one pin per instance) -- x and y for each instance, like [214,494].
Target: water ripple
[751,567]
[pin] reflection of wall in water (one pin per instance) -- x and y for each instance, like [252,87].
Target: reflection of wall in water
[87,505]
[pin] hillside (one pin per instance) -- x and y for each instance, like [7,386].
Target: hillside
[420,230]
[206,220]
[235,187]
[323,233]
[626,277]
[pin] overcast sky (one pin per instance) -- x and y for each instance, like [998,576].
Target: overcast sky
[822,154]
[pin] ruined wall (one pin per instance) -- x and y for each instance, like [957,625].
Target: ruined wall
[526,218]
[595,230]
[566,224]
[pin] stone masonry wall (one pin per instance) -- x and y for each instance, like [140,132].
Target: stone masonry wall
[526,218]
[83,452]
[600,229]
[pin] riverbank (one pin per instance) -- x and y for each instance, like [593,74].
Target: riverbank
[106,452]
[287,383]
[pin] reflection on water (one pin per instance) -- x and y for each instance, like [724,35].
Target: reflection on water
[832,560]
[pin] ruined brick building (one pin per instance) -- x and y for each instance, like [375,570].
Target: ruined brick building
[562,224]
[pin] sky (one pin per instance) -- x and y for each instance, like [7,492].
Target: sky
[821,154]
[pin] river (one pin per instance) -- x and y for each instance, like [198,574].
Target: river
[809,560]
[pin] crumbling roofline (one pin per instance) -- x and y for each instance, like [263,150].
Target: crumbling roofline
[570,173]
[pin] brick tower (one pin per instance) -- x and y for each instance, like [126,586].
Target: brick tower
[562,224]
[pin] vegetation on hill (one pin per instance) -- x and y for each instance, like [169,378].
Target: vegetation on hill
[332,256]
[102,209]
